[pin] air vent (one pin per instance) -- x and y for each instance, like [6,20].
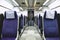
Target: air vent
[37,2]
[23,3]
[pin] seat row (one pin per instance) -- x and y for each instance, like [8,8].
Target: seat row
[51,26]
[9,25]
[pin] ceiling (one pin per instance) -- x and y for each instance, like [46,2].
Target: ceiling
[30,4]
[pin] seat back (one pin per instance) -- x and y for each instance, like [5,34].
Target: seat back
[21,23]
[58,19]
[10,24]
[36,20]
[1,23]
[40,22]
[30,23]
[51,26]
[25,20]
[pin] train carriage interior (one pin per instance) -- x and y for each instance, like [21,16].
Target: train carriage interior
[29,19]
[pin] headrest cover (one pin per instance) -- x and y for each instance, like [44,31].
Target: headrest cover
[10,15]
[50,14]
[39,15]
[21,15]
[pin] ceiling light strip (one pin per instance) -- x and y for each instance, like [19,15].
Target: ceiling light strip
[15,2]
[40,8]
[5,7]
[45,2]
[26,3]
[55,7]
[35,3]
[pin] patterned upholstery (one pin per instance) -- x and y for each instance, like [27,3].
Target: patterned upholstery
[1,23]
[51,28]
[21,23]
[9,27]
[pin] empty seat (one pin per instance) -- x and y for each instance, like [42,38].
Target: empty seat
[36,20]
[30,23]
[9,30]
[40,23]
[1,23]
[25,20]
[21,23]
[8,38]
[58,19]
[51,26]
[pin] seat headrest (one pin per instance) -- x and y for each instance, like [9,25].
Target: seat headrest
[10,14]
[50,14]
[21,15]
[40,16]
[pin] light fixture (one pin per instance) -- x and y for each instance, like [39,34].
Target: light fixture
[35,3]
[55,4]
[21,8]
[45,2]
[40,8]
[26,3]
[15,2]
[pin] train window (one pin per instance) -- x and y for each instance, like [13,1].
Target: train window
[25,13]
[54,4]
[6,4]
[57,9]
[2,10]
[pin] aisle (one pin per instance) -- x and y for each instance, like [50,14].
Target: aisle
[31,33]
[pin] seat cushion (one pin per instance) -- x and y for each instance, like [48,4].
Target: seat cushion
[40,22]
[51,27]
[55,38]
[1,23]
[8,38]
[9,27]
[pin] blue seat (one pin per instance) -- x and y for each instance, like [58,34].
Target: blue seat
[51,28]
[40,22]
[1,23]
[21,23]
[58,19]
[8,38]
[25,20]
[53,38]
[36,20]
[30,23]
[9,30]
